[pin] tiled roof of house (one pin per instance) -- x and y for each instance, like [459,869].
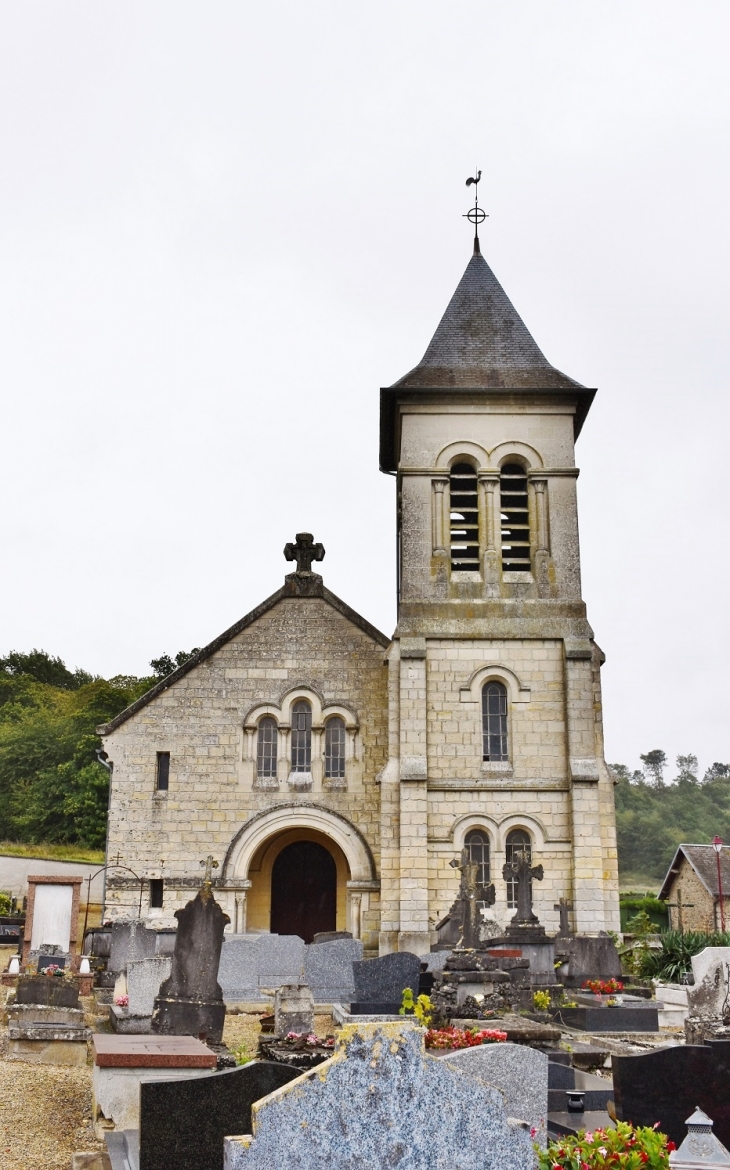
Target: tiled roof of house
[703,860]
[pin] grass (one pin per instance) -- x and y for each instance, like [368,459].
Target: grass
[633,883]
[53,852]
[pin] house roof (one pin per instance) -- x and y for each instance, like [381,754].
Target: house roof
[703,860]
[481,344]
[299,585]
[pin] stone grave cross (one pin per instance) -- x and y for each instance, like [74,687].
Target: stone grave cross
[471,893]
[522,871]
[564,906]
[207,886]
[304,552]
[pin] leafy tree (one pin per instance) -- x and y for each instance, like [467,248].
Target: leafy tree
[165,665]
[44,668]
[52,787]
[654,764]
[652,819]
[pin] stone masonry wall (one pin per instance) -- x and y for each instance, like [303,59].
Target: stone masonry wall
[199,720]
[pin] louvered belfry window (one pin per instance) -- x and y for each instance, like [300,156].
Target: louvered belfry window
[334,748]
[494,722]
[266,747]
[301,737]
[464,518]
[515,519]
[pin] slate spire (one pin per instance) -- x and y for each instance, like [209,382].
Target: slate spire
[482,343]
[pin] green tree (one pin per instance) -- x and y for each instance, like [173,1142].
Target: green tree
[165,665]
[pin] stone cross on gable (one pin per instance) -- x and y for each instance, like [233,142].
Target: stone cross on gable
[522,871]
[304,552]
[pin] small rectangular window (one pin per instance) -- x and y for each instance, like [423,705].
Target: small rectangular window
[163,771]
[156,889]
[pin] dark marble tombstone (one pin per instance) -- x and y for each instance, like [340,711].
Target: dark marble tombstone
[183,1123]
[190,1002]
[47,990]
[380,983]
[667,1085]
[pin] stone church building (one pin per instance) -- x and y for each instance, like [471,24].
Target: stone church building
[335,772]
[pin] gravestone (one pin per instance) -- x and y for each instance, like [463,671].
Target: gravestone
[130,941]
[382,1101]
[330,935]
[190,1002]
[45,989]
[293,1010]
[144,977]
[253,963]
[328,969]
[520,1074]
[709,997]
[183,1122]
[666,1085]
[587,958]
[380,983]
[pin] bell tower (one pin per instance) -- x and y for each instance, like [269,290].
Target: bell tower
[495,700]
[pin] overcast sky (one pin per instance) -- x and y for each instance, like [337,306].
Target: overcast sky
[224,226]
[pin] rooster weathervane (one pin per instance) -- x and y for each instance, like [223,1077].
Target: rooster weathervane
[475,214]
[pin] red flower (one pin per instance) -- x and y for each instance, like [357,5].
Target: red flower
[671,1146]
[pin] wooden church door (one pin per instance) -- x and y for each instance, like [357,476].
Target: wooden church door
[304,891]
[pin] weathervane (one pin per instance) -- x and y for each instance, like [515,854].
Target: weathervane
[475,214]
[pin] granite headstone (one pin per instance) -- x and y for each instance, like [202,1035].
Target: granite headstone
[253,963]
[328,969]
[183,1122]
[382,1101]
[293,1010]
[144,977]
[520,1073]
[130,940]
[666,1085]
[380,983]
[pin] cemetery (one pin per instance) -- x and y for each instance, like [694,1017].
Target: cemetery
[502,1043]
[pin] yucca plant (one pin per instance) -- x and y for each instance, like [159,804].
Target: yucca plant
[675,958]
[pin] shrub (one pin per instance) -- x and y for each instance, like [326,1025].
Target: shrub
[421,1008]
[675,958]
[5,902]
[625,1146]
[541,1001]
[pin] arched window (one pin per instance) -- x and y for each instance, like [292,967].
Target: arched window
[477,842]
[494,722]
[518,841]
[334,748]
[515,519]
[301,737]
[266,747]
[464,518]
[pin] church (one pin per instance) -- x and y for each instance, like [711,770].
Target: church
[334,771]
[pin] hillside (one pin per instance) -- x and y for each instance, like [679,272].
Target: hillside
[653,816]
[52,787]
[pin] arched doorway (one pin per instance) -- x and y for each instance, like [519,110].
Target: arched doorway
[303,890]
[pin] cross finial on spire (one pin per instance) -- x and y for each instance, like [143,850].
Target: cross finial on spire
[475,214]
[304,552]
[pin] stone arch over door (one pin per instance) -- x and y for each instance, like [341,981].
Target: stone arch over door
[251,864]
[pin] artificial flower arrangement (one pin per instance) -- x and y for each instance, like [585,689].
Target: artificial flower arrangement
[625,1148]
[311,1040]
[122,1001]
[603,986]
[463,1037]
